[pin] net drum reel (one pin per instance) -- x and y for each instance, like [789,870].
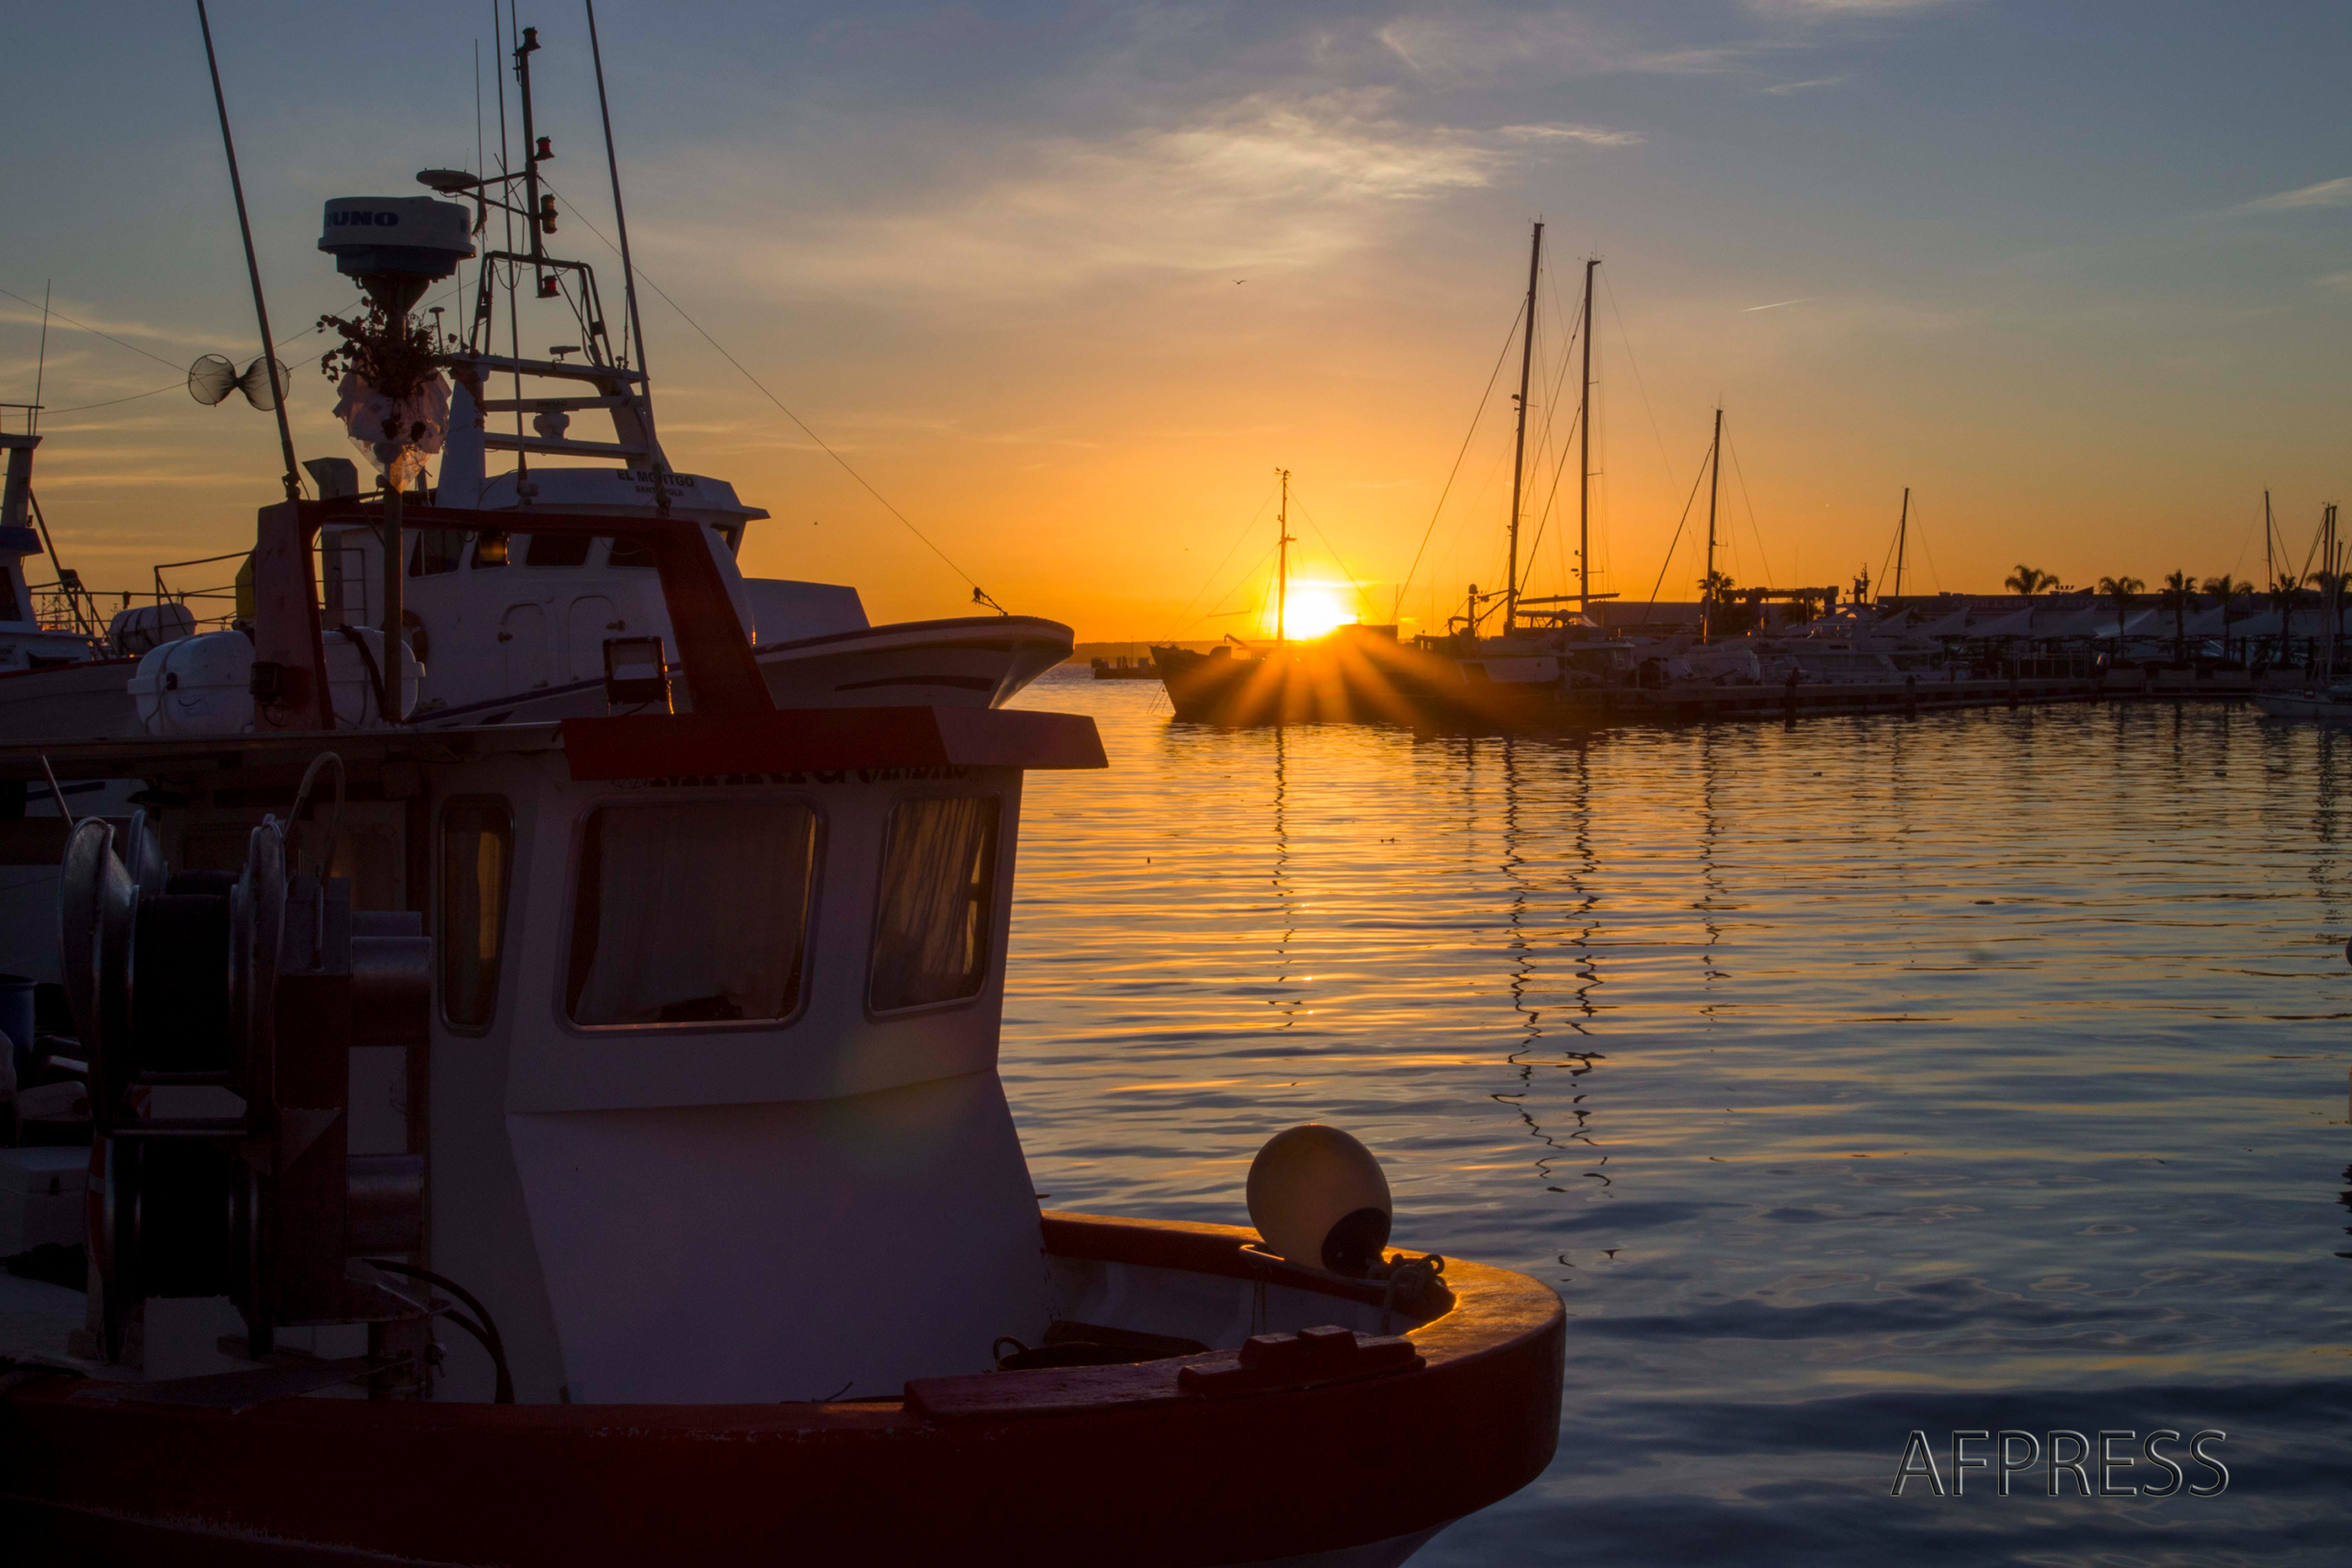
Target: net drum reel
[257,984]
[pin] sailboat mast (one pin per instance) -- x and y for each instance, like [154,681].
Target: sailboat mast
[1518,449]
[1584,456]
[1901,537]
[2270,555]
[1714,483]
[1283,542]
[2333,556]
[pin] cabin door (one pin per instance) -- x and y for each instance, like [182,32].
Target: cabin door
[522,648]
[594,619]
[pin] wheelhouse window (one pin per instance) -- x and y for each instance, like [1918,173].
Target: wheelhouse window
[476,869]
[436,550]
[557,549]
[931,941]
[490,548]
[691,912]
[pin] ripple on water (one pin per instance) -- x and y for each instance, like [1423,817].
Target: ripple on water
[1977,1070]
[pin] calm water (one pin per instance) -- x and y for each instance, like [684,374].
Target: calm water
[1984,1070]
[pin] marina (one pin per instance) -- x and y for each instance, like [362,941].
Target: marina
[420,987]
[1070,900]
[1840,1079]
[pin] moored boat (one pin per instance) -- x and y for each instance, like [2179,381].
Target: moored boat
[699,1113]
[2331,705]
[654,1052]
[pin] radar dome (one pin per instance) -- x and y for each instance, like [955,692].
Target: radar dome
[397,244]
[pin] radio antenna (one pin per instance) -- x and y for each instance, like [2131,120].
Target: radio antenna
[40,374]
[253,266]
[635,333]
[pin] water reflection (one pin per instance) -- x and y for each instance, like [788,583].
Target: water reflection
[1957,1070]
[1524,904]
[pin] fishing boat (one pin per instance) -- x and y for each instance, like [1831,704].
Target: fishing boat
[1355,673]
[501,630]
[2330,703]
[654,1052]
[480,628]
[1510,661]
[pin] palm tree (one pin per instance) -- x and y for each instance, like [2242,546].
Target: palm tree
[2118,592]
[1713,590]
[2332,586]
[2232,594]
[2180,596]
[2028,580]
[2282,599]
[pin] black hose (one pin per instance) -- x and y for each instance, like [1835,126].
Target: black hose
[486,1330]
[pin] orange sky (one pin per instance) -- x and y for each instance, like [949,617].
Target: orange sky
[1068,295]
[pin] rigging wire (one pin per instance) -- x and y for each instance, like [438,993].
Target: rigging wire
[1544,440]
[648,279]
[1666,564]
[1484,398]
[181,384]
[1218,569]
[1245,609]
[1319,533]
[87,328]
[1625,338]
[1761,558]
[1937,577]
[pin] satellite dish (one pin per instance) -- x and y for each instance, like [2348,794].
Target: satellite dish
[448,182]
[254,383]
[211,378]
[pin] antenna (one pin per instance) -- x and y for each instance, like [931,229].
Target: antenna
[40,367]
[253,266]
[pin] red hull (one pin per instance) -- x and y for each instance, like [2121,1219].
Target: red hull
[1112,1473]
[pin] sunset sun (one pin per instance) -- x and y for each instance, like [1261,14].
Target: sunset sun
[1315,608]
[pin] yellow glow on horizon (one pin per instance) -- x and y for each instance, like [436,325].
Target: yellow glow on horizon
[1315,608]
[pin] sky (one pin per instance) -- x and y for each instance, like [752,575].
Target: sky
[1068,284]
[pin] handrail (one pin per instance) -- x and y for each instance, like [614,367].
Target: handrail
[290,649]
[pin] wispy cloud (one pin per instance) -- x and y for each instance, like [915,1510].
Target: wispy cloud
[89,319]
[1262,183]
[2328,192]
[1593,135]
[1784,88]
[2340,281]
[1822,10]
[1804,299]
[1479,41]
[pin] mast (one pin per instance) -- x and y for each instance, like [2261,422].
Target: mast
[2269,557]
[1901,537]
[2333,556]
[1584,456]
[535,207]
[1283,542]
[1518,449]
[1714,483]
[253,266]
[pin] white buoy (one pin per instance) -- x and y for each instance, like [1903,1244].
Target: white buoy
[1317,1196]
